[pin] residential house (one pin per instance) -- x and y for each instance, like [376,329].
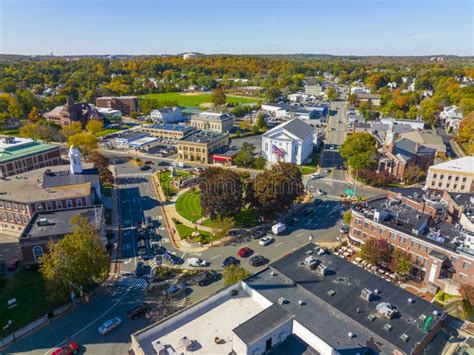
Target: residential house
[167,115]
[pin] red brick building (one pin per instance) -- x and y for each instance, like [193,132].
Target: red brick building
[73,112]
[428,226]
[19,155]
[126,104]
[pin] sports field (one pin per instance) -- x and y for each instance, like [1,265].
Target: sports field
[196,99]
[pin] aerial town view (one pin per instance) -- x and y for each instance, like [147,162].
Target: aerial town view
[240,177]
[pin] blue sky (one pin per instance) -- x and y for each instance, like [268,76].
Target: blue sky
[344,27]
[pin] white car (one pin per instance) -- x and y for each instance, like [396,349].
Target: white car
[198,262]
[331,147]
[265,240]
[109,325]
[315,176]
[320,192]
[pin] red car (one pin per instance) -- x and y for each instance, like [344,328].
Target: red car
[67,349]
[244,252]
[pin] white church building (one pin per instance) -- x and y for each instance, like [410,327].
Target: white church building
[290,142]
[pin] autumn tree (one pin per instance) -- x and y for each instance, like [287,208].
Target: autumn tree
[272,94]
[34,114]
[218,97]
[101,162]
[30,130]
[94,126]
[466,130]
[86,143]
[245,156]
[233,274]
[359,151]
[428,110]
[376,251]
[413,174]
[79,259]
[221,192]
[347,216]
[401,262]
[274,190]
[467,293]
[352,99]
[331,93]
[222,226]
[71,129]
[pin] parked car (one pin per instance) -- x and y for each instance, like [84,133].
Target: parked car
[205,278]
[230,260]
[197,262]
[164,163]
[160,250]
[148,162]
[244,252]
[145,167]
[265,240]
[67,349]
[293,221]
[143,253]
[13,265]
[174,290]
[258,260]
[320,192]
[344,229]
[149,222]
[137,311]
[140,269]
[173,259]
[315,175]
[258,234]
[327,170]
[110,325]
[2,268]
[278,228]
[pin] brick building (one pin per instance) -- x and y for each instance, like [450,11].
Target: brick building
[45,189]
[73,112]
[126,104]
[19,155]
[52,226]
[197,147]
[434,228]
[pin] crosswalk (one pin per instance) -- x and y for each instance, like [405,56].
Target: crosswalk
[130,281]
[330,197]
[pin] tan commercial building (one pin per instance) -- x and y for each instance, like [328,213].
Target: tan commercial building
[212,121]
[168,131]
[430,226]
[197,147]
[454,176]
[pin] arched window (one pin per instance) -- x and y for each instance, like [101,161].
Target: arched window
[37,253]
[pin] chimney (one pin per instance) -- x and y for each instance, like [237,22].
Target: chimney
[417,147]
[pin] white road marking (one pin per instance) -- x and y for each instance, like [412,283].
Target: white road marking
[90,324]
[215,257]
[277,245]
[299,235]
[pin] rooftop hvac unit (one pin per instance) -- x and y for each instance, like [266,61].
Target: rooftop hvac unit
[386,310]
[43,222]
[322,269]
[366,295]
[282,301]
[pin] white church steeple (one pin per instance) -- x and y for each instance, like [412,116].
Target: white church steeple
[75,160]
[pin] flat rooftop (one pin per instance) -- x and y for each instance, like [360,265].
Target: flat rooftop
[132,136]
[58,222]
[218,321]
[203,137]
[28,187]
[332,306]
[143,141]
[12,148]
[464,164]
[171,127]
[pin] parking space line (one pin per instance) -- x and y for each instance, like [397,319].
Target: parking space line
[299,235]
[215,257]
[277,245]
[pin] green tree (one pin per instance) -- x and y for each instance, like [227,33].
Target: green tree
[274,190]
[94,126]
[331,93]
[428,110]
[79,259]
[30,130]
[272,94]
[86,143]
[359,151]
[261,123]
[352,99]
[218,97]
[222,226]
[245,157]
[259,163]
[404,263]
[221,192]
[233,274]
[347,216]
[71,129]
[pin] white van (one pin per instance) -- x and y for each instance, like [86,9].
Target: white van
[278,228]
[197,262]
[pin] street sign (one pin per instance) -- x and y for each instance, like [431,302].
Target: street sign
[349,192]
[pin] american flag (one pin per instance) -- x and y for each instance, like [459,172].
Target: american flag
[278,151]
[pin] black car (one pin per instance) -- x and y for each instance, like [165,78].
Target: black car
[140,269]
[173,259]
[164,163]
[258,234]
[137,311]
[230,261]
[205,278]
[307,211]
[293,221]
[149,222]
[145,167]
[155,237]
[258,260]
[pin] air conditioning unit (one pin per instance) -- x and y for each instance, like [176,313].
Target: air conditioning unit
[367,295]
[322,269]
[43,222]
[282,301]
[386,310]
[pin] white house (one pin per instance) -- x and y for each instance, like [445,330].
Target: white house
[290,142]
[276,110]
[167,115]
[360,90]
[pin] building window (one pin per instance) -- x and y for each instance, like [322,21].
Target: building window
[456,178]
[4,216]
[39,207]
[455,186]
[466,265]
[449,177]
[69,203]
[402,240]
[432,183]
[434,176]
[364,235]
[441,177]
[440,184]
[413,244]
[25,220]
[10,217]
[1,204]
[453,260]
[462,276]
[393,236]
[464,179]
[37,253]
[382,231]
[9,206]
[22,207]
[462,187]
[366,225]
[447,186]
[59,204]
[78,202]
[15,206]
[49,206]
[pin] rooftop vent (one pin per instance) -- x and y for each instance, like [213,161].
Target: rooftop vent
[350,335]
[331,292]
[387,327]
[273,273]
[404,337]
[301,303]
[376,291]
[371,317]
[410,300]
[386,310]
[43,222]
[435,313]
[322,269]
[282,301]
[366,294]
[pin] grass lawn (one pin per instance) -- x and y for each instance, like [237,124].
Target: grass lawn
[185,231]
[29,290]
[184,99]
[10,132]
[165,178]
[188,205]
[106,131]
[306,170]
[310,167]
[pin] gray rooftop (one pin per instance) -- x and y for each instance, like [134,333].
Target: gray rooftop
[262,323]
[52,178]
[295,126]
[59,222]
[202,137]
[171,127]
[332,317]
[407,149]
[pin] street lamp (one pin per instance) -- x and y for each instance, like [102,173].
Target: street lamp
[10,324]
